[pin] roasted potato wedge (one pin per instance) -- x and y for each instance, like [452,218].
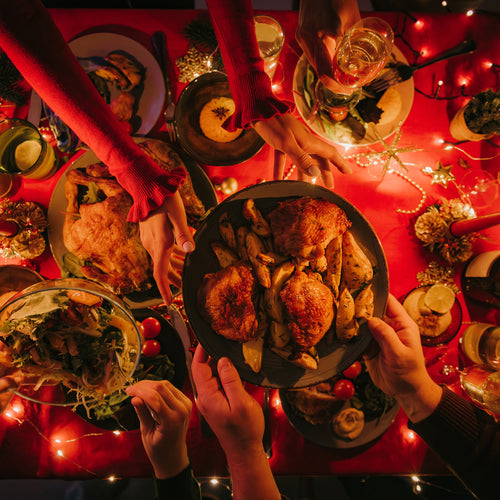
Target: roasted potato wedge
[302,359]
[224,254]
[364,303]
[346,326]
[227,232]
[280,335]
[272,301]
[257,221]
[255,246]
[333,254]
[357,269]
[241,235]
[252,350]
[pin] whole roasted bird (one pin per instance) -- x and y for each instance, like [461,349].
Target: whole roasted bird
[97,232]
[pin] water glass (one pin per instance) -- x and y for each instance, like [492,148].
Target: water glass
[23,150]
[480,342]
[483,386]
[270,38]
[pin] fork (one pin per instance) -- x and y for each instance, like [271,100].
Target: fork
[402,72]
[159,42]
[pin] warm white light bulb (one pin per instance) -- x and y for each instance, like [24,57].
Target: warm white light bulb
[214,481]
[469,13]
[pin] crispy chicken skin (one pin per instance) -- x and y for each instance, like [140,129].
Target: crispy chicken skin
[99,233]
[225,299]
[304,226]
[309,309]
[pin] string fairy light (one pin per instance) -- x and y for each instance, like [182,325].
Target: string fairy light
[453,145]
[15,413]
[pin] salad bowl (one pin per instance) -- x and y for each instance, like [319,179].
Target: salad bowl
[70,341]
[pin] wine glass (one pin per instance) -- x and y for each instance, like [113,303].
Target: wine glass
[478,188]
[360,56]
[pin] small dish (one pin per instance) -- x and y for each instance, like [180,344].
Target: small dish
[452,329]
[187,113]
[14,278]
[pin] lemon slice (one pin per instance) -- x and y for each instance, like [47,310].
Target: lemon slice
[439,298]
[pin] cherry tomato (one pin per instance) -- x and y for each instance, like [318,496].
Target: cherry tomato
[353,371]
[338,116]
[343,389]
[150,327]
[151,348]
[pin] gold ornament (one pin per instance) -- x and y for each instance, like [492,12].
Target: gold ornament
[435,273]
[390,152]
[432,229]
[29,241]
[441,174]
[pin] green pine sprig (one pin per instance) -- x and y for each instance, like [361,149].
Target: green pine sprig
[11,88]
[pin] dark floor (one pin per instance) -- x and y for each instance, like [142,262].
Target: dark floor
[319,488]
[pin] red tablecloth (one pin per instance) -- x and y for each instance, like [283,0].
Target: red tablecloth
[31,435]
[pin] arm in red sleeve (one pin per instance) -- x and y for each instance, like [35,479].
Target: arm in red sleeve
[34,44]
[250,85]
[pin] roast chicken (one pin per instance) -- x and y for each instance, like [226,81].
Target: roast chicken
[308,307]
[168,159]
[303,227]
[99,234]
[226,300]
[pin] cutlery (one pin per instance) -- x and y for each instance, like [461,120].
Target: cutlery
[177,321]
[159,42]
[402,72]
[267,440]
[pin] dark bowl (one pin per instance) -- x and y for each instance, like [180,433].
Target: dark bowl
[187,113]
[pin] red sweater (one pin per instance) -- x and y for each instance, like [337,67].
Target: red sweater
[34,44]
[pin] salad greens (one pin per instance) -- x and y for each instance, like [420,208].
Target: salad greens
[70,337]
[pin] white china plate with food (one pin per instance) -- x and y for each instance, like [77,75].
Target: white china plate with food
[100,44]
[57,207]
[323,435]
[405,90]
[277,372]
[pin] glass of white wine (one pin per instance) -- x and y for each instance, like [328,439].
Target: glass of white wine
[360,56]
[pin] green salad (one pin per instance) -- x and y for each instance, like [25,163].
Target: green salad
[70,337]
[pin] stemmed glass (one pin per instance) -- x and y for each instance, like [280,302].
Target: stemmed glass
[479,188]
[361,54]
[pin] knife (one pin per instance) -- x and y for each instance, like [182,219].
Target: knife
[177,321]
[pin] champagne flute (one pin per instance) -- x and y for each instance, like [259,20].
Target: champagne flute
[362,52]
[360,56]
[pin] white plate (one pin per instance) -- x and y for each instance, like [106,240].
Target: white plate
[101,44]
[406,90]
[323,434]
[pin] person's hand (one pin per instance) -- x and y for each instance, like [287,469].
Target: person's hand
[398,366]
[321,23]
[234,415]
[6,384]
[164,413]
[166,237]
[311,155]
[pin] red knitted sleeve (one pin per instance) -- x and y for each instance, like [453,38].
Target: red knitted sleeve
[250,85]
[32,41]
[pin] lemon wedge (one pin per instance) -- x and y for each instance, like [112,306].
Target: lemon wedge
[439,298]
